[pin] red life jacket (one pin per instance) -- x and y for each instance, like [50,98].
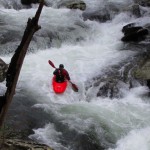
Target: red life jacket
[61,75]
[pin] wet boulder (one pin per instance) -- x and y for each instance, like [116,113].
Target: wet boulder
[3,70]
[130,28]
[81,5]
[134,33]
[136,36]
[136,10]
[28,2]
[133,10]
[73,4]
[144,3]
[143,72]
[108,89]
[103,13]
[100,15]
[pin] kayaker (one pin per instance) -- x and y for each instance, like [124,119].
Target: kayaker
[61,74]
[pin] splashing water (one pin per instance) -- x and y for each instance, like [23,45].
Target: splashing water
[118,124]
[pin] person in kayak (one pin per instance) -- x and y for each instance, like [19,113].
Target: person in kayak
[61,74]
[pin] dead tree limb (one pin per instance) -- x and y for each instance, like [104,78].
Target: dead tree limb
[17,61]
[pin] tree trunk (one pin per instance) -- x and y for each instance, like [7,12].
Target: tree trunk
[17,61]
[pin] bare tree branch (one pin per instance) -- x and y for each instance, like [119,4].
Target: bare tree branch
[17,61]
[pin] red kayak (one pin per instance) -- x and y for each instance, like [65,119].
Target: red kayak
[59,87]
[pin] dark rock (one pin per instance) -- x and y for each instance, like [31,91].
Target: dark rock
[142,32]
[133,10]
[127,27]
[138,35]
[136,10]
[134,33]
[131,30]
[3,70]
[2,102]
[28,2]
[107,90]
[101,15]
[148,83]
[144,3]
[16,144]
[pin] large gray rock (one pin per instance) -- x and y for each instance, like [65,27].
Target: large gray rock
[3,70]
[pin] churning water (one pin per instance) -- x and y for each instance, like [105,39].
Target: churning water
[85,48]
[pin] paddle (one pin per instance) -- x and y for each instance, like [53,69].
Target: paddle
[74,87]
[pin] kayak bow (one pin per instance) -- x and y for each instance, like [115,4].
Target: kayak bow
[59,87]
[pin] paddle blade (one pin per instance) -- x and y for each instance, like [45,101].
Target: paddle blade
[51,63]
[74,87]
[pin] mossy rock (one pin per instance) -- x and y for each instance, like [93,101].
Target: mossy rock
[143,72]
[80,5]
[72,4]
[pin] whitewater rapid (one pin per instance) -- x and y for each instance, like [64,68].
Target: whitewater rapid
[118,124]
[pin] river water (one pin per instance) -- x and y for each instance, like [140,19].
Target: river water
[73,121]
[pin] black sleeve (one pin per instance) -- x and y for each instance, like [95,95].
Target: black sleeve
[55,72]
